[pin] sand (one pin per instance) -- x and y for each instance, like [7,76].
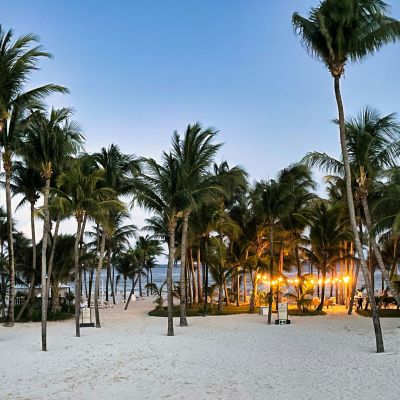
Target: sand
[238,357]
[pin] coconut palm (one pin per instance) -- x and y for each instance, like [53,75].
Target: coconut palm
[195,153]
[327,233]
[338,32]
[159,190]
[119,172]
[48,142]
[80,191]
[270,200]
[18,59]
[373,143]
[28,182]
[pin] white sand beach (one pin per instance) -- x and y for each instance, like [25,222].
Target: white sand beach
[238,357]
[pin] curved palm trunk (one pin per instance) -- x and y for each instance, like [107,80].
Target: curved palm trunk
[352,214]
[45,297]
[33,277]
[134,281]
[377,252]
[51,260]
[97,280]
[182,281]
[11,261]
[171,257]
[77,280]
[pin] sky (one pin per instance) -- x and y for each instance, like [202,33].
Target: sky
[140,69]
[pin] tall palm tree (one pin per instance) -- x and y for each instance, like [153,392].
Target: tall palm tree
[119,173]
[159,190]
[49,141]
[18,59]
[28,182]
[373,143]
[195,153]
[327,233]
[269,202]
[337,32]
[80,191]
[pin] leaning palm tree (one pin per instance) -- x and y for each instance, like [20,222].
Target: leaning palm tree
[337,32]
[49,141]
[18,59]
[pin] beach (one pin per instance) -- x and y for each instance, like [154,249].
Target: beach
[239,356]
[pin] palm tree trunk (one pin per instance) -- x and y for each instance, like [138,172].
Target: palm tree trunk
[171,257]
[77,280]
[193,276]
[199,283]
[271,269]
[125,288]
[244,286]
[253,276]
[33,277]
[45,296]
[377,252]
[53,251]
[394,264]
[134,281]
[91,273]
[182,282]
[110,274]
[221,298]
[352,214]
[97,280]
[321,304]
[11,261]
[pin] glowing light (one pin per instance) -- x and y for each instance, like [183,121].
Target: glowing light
[336,279]
[296,281]
[319,281]
[327,280]
[258,276]
[346,279]
[280,279]
[312,282]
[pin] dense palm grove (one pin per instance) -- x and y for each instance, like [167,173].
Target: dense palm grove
[228,236]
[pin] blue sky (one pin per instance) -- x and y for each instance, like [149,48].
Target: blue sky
[138,70]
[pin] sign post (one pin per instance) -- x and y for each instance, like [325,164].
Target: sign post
[86,318]
[282,314]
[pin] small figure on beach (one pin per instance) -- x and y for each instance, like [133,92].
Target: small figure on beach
[359,299]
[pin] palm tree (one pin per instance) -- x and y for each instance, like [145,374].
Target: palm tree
[217,259]
[373,143]
[327,233]
[269,202]
[49,141]
[27,181]
[79,190]
[63,267]
[18,59]
[119,172]
[195,154]
[159,190]
[337,32]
